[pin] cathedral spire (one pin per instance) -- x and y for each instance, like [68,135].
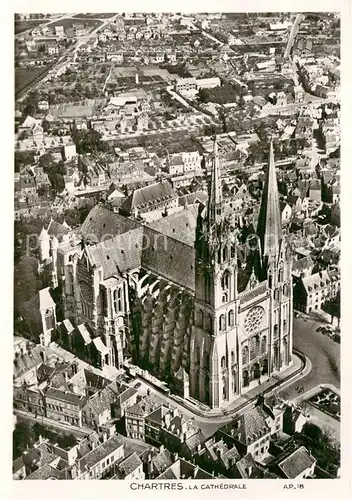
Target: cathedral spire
[215,191]
[269,221]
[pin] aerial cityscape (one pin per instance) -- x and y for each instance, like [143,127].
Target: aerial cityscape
[177,246]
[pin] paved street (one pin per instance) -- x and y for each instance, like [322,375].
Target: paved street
[323,352]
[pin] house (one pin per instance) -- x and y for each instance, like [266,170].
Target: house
[286,212]
[131,468]
[294,420]
[186,86]
[69,152]
[64,406]
[251,432]
[312,292]
[52,48]
[298,465]
[135,416]
[247,468]
[181,469]
[99,461]
[59,30]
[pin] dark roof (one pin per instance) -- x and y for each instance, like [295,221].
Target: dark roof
[296,463]
[24,363]
[47,472]
[65,396]
[161,461]
[130,464]
[56,229]
[149,196]
[248,468]
[249,427]
[101,221]
[180,225]
[101,452]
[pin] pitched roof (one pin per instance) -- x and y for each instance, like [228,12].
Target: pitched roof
[296,463]
[118,254]
[147,197]
[45,299]
[316,281]
[24,363]
[101,221]
[47,472]
[65,396]
[248,468]
[102,451]
[130,464]
[248,427]
[161,461]
[180,225]
[57,229]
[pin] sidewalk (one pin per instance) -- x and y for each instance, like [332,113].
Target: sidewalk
[298,369]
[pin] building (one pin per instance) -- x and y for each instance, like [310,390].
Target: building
[311,292]
[298,465]
[186,86]
[194,303]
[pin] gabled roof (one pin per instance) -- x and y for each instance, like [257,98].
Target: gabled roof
[149,196]
[249,427]
[248,468]
[296,463]
[130,464]
[161,461]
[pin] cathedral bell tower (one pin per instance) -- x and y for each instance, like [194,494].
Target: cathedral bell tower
[213,350]
[276,268]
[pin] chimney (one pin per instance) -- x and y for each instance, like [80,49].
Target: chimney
[195,471]
[137,78]
[162,448]
[219,452]
[175,457]
[249,470]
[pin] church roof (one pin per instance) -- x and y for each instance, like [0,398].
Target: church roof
[101,222]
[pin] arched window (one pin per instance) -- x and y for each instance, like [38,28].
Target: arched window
[219,256]
[245,355]
[200,318]
[276,294]
[264,344]
[286,290]
[223,362]
[224,254]
[234,385]
[225,298]
[232,357]
[118,307]
[49,319]
[231,318]
[225,280]
[207,361]
[257,345]
[222,323]
[281,274]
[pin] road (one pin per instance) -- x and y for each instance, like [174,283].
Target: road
[323,352]
[79,432]
[65,16]
[293,33]
[296,106]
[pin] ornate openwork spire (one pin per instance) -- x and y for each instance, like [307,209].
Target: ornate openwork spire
[215,191]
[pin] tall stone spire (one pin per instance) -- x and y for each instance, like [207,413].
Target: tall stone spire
[215,191]
[269,222]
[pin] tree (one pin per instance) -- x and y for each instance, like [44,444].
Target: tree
[23,158]
[23,438]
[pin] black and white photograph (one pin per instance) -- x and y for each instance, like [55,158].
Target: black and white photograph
[177,244]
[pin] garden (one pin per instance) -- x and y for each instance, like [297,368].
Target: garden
[328,402]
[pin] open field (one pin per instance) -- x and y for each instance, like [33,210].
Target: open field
[96,15]
[67,23]
[21,26]
[24,76]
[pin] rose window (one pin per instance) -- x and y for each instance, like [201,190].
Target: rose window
[253,320]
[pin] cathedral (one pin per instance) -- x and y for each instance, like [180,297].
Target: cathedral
[184,297]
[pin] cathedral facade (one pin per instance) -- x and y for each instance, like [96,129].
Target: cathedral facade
[182,298]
